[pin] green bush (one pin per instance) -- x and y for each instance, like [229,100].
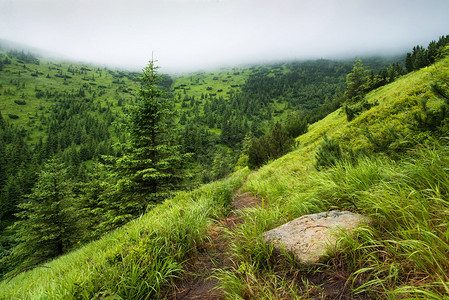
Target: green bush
[328,154]
[353,110]
[270,146]
[20,102]
[13,116]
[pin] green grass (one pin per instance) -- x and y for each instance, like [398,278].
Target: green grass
[23,82]
[220,82]
[135,261]
[403,254]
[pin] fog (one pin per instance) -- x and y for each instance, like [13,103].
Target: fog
[186,35]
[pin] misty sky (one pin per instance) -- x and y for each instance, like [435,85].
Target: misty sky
[186,35]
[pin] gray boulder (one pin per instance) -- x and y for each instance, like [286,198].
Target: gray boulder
[309,237]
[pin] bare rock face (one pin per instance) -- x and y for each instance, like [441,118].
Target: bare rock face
[308,237]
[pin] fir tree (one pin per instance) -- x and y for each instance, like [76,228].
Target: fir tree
[295,124]
[46,226]
[357,83]
[409,62]
[257,153]
[151,168]
[279,141]
[328,154]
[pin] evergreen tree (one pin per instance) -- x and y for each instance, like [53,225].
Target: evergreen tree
[409,63]
[2,121]
[222,164]
[93,202]
[271,146]
[357,83]
[257,153]
[279,141]
[151,168]
[47,221]
[328,154]
[295,124]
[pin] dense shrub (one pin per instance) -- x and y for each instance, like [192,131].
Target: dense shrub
[270,146]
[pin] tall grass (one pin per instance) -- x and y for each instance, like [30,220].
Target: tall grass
[405,253]
[402,254]
[136,261]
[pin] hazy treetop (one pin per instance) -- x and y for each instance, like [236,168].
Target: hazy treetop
[190,34]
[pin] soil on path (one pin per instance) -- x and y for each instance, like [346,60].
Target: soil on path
[199,281]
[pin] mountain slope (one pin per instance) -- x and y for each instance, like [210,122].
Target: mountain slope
[401,182]
[406,196]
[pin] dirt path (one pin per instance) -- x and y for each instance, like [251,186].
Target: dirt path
[199,282]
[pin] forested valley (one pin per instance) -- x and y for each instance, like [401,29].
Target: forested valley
[85,149]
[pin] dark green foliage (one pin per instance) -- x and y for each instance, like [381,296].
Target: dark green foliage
[357,83]
[2,121]
[71,122]
[296,124]
[328,154]
[430,119]
[300,84]
[279,141]
[355,109]
[13,116]
[24,57]
[151,167]
[434,120]
[270,146]
[232,131]
[20,102]
[47,221]
[387,75]
[222,164]
[440,89]
[93,202]
[296,94]
[409,62]
[17,172]
[421,57]
[257,153]
[389,141]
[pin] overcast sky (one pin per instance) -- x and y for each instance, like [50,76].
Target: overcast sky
[186,35]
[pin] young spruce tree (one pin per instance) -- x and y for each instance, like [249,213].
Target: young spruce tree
[47,222]
[151,168]
[357,83]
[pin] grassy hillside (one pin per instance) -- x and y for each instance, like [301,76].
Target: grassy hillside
[151,247]
[217,83]
[30,86]
[404,254]
[403,186]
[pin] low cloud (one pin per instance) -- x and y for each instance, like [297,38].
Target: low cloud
[187,35]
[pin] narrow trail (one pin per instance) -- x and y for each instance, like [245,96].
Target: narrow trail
[199,282]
